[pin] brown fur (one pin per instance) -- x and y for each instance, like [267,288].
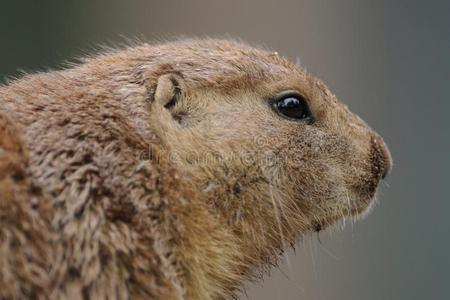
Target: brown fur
[161,172]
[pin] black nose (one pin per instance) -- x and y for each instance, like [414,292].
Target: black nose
[382,157]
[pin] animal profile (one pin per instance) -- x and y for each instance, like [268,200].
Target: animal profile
[171,171]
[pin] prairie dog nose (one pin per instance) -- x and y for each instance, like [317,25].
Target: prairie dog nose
[382,156]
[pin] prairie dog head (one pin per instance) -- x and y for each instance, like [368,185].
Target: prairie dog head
[275,149]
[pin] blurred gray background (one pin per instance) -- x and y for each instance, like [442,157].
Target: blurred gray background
[388,60]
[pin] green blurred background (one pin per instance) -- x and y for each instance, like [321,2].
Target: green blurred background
[388,60]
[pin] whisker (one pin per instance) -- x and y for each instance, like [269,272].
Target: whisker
[278,209]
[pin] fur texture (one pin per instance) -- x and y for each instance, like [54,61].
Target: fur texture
[162,172]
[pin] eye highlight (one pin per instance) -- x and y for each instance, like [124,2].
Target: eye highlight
[292,106]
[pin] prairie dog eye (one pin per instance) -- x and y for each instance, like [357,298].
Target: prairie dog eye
[292,106]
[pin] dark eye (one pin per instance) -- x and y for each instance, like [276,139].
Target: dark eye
[293,106]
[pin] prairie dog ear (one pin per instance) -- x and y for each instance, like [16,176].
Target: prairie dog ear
[168,90]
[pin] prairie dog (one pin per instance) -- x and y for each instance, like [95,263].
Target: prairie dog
[171,171]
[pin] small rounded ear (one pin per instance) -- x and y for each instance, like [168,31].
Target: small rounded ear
[168,90]
[164,95]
